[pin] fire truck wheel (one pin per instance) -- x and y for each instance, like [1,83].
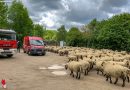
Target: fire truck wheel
[9,55]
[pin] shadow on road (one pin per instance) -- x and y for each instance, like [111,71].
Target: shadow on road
[7,58]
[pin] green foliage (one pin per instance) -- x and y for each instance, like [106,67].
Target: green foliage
[38,30]
[3,14]
[19,19]
[50,35]
[115,34]
[92,25]
[61,34]
[74,37]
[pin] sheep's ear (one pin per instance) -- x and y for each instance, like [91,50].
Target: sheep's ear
[102,63]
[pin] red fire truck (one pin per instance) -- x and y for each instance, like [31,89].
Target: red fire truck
[8,43]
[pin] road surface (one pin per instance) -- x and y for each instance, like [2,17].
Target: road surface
[23,72]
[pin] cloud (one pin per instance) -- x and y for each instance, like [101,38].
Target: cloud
[113,6]
[53,13]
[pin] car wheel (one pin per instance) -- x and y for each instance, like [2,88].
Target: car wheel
[44,53]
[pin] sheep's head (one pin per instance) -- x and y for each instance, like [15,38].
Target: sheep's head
[103,63]
[94,61]
[66,66]
[128,72]
[91,57]
[100,55]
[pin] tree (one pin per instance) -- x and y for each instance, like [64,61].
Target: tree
[115,33]
[38,30]
[19,20]
[92,25]
[50,35]
[61,34]
[74,37]
[3,14]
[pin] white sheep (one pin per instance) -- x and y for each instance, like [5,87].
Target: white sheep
[74,66]
[116,71]
[125,63]
[99,66]
[85,66]
[91,60]
[72,58]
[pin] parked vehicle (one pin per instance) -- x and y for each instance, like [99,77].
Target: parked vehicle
[33,45]
[8,43]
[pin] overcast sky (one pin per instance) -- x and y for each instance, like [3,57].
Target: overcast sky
[53,13]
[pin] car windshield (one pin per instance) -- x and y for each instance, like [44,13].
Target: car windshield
[7,36]
[36,42]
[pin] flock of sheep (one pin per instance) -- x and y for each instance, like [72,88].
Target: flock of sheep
[107,62]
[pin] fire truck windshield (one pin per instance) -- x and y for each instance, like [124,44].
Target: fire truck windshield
[7,36]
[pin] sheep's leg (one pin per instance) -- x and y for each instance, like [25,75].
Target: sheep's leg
[110,79]
[128,79]
[79,75]
[97,71]
[88,69]
[102,72]
[116,81]
[85,72]
[77,58]
[71,73]
[92,66]
[107,78]
[76,74]
[124,78]
[82,57]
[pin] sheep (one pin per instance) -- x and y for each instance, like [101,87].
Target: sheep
[72,58]
[127,57]
[61,52]
[125,63]
[116,71]
[79,55]
[85,66]
[74,66]
[107,58]
[90,60]
[99,66]
[117,58]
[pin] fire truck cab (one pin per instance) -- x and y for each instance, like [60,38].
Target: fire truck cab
[8,43]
